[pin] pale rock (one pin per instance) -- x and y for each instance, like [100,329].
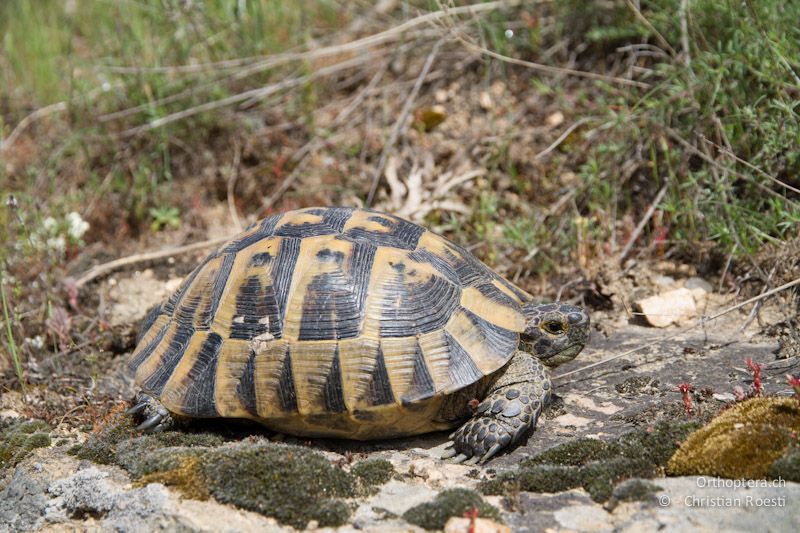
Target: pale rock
[554,119]
[667,308]
[485,101]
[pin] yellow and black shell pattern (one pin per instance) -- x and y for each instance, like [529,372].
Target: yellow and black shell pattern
[330,322]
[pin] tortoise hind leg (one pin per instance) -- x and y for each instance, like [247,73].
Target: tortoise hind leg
[156,417]
[509,410]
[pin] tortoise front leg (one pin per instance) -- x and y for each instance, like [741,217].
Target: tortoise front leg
[509,410]
[156,416]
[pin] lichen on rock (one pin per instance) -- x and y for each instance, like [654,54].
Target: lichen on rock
[744,441]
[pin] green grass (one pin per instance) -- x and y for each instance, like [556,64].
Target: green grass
[11,343]
[735,97]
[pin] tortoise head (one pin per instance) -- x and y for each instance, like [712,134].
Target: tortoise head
[555,332]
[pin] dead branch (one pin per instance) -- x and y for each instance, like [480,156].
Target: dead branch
[547,69]
[28,120]
[642,223]
[106,268]
[259,93]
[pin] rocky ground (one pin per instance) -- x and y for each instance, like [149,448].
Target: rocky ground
[601,458]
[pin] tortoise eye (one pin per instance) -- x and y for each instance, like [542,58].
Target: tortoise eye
[554,327]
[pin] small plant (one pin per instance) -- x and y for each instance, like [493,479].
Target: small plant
[685,389]
[755,368]
[794,382]
[472,514]
[165,216]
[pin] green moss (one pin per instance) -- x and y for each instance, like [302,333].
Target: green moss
[632,490]
[449,503]
[330,513]
[373,471]
[18,438]
[741,443]
[595,465]
[576,453]
[599,478]
[119,442]
[101,446]
[290,483]
[185,476]
[788,466]
[159,452]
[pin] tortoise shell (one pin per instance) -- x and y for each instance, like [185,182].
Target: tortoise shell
[329,322]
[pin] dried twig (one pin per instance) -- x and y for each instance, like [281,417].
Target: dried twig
[660,38]
[261,92]
[233,176]
[377,39]
[547,69]
[702,155]
[25,122]
[562,137]
[642,223]
[682,331]
[398,126]
[106,268]
[748,164]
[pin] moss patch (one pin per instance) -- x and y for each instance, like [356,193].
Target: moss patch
[119,442]
[18,438]
[449,503]
[290,483]
[160,452]
[742,442]
[185,476]
[101,446]
[373,472]
[632,490]
[595,465]
[787,466]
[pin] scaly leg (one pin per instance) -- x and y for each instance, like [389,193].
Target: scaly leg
[509,410]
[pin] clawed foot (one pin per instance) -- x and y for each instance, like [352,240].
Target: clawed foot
[155,416]
[477,441]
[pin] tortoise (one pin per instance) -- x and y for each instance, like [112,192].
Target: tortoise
[352,323]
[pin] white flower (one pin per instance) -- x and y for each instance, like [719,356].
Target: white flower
[50,225]
[57,244]
[36,342]
[76,226]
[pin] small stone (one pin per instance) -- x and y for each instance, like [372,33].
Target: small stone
[724,397]
[698,283]
[554,119]
[485,101]
[668,308]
